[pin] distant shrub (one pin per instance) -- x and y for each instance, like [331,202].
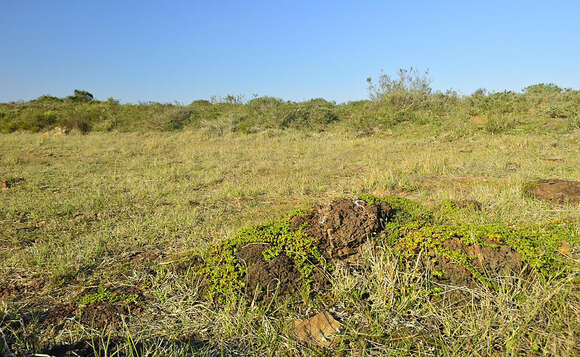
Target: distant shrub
[496,124]
[33,120]
[407,81]
[543,90]
[48,99]
[556,110]
[314,114]
[167,117]
[480,92]
[81,96]
[200,102]
[401,100]
[228,99]
[574,122]
[264,103]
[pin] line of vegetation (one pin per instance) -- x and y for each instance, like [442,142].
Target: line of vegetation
[406,98]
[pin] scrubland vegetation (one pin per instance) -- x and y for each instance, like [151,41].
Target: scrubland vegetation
[124,237]
[406,99]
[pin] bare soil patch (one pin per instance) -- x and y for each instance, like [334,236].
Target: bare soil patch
[342,226]
[19,287]
[554,190]
[338,228]
[83,348]
[8,183]
[490,260]
[263,277]
[100,313]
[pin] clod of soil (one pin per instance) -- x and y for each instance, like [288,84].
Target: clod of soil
[338,230]
[490,261]
[17,288]
[554,190]
[263,277]
[319,329]
[6,184]
[342,226]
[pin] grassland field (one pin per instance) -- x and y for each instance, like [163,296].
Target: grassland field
[113,212]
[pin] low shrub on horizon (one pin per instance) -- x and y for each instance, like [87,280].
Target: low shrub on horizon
[407,99]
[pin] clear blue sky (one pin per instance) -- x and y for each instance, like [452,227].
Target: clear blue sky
[185,50]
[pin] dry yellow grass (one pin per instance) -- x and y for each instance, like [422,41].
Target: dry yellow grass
[90,204]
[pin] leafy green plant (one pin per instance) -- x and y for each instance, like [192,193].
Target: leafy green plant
[104,295]
[225,272]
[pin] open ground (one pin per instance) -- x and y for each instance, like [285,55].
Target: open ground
[99,234]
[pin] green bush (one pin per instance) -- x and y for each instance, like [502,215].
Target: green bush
[497,124]
[402,100]
[81,96]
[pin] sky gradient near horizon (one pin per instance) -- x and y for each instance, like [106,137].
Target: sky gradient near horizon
[296,50]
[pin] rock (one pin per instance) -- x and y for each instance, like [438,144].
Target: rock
[554,190]
[320,329]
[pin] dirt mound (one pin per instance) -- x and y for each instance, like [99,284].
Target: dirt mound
[265,277]
[282,258]
[337,229]
[554,190]
[342,226]
[105,314]
[490,260]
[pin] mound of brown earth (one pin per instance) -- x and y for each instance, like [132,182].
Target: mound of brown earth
[263,277]
[338,228]
[282,258]
[490,260]
[100,313]
[342,226]
[555,190]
